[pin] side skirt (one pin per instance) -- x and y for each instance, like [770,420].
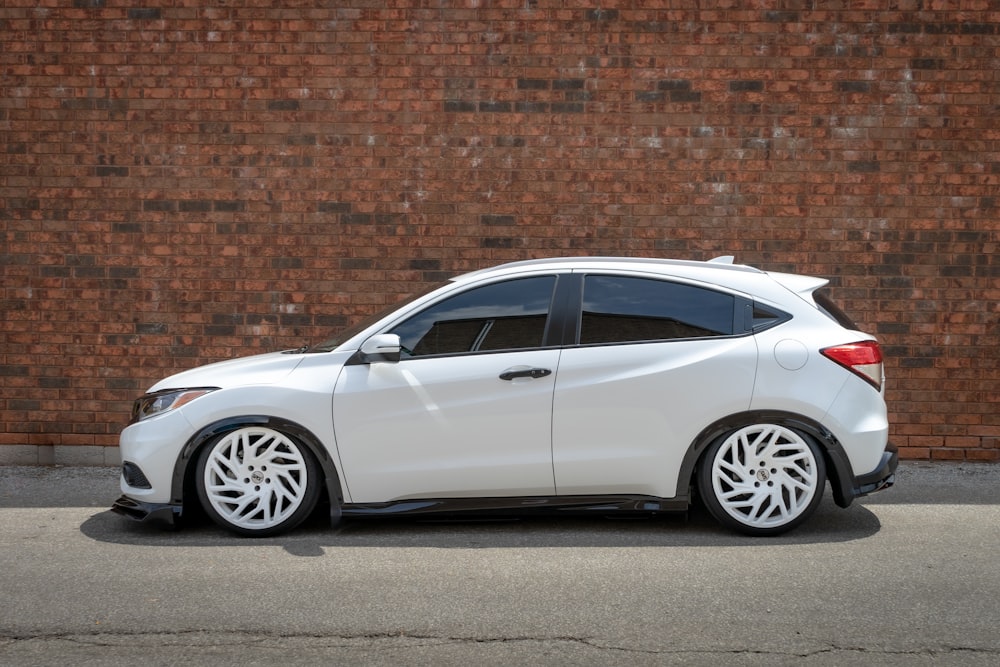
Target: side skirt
[169,514]
[512,507]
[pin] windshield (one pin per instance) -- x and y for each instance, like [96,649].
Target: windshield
[331,343]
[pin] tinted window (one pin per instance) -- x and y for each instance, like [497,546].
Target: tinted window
[501,316]
[833,311]
[618,309]
[765,317]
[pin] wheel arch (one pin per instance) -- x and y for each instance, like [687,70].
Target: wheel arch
[183,475]
[838,466]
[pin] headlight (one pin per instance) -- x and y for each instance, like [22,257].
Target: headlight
[159,402]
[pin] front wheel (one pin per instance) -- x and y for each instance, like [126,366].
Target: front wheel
[762,479]
[257,481]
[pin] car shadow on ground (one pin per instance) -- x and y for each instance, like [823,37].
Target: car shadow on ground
[917,483]
[830,524]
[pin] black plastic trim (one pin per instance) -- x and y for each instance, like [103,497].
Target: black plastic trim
[563,323]
[518,506]
[779,317]
[357,359]
[162,513]
[169,513]
[882,477]
[134,476]
[849,487]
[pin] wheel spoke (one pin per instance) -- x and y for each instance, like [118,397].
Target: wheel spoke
[224,475]
[778,503]
[285,481]
[738,471]
[234,506]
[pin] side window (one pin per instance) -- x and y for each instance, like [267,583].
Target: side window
[503,316]
[619,309]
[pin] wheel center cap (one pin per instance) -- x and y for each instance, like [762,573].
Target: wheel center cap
[762,475]
[256,477]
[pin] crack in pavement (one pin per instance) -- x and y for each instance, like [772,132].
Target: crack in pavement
[262,640]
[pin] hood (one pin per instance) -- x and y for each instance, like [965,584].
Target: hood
[258,369]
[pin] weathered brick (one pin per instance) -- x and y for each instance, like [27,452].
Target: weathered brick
[181,184]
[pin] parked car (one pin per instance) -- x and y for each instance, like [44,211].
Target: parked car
[579,385]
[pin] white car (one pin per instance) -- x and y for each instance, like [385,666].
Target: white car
[583,384]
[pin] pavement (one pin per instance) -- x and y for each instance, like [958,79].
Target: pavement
[906,577]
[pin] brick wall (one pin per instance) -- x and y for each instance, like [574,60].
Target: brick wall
[182,181]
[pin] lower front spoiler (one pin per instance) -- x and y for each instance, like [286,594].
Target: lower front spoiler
[162,513]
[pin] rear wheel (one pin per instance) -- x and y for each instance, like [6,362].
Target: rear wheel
[762,479]
[257,481]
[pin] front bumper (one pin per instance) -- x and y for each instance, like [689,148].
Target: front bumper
[166,514]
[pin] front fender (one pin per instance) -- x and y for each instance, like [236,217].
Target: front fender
[184,470]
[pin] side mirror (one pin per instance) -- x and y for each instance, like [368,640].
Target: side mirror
[381,347]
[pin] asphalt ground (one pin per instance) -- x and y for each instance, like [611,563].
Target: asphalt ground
[910,576]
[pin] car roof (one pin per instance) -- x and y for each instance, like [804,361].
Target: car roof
[722,264]
[720,271]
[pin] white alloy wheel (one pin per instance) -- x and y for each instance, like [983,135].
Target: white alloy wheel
[257,481]
[762,479]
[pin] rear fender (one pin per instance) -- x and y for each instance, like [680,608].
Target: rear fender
[837,464]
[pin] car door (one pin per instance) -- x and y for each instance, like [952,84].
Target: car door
[655,362]
[467,409]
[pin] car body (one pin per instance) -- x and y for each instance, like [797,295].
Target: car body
[571,384]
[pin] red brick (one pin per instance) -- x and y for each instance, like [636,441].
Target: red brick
[162,168]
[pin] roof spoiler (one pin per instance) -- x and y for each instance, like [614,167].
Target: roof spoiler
[804,285]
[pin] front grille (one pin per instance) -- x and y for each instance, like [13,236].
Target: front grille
[134,476]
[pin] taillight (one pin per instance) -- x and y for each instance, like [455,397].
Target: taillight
[863,358]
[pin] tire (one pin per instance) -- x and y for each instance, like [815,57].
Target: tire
[762,479]
[256,481]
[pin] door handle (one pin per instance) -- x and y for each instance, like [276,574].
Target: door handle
[533,373]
